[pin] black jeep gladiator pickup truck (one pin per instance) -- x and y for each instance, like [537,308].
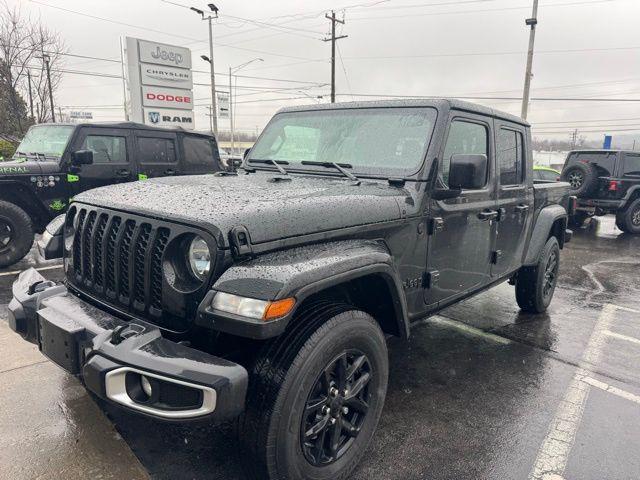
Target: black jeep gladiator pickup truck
[265,295]
[605,181]
[55,162]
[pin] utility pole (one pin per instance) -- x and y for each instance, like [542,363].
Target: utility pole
[532,22]
[333,40]
[30,94]
[574,138]
[46,59]
[214,109]
[124,82]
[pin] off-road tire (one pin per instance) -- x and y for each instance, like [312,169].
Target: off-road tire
[533,293]
[628,220]
[22,233]
[582,178]
[280,382]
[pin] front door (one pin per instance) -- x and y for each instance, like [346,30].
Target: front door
[515,197]
[157,154]
[461,232]
[111,159]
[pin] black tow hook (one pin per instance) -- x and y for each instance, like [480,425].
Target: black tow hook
[122,332]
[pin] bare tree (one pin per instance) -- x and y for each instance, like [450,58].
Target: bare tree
[23,44]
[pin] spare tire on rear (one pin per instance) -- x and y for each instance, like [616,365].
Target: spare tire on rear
[582,178]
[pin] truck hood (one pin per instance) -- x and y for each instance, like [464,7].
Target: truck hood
[28,167]
[270,209]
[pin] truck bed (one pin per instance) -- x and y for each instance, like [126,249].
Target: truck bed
[550,193]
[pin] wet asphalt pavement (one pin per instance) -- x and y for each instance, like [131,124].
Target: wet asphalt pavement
[481,391]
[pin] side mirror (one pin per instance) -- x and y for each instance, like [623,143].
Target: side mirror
[468,171]
[82,157]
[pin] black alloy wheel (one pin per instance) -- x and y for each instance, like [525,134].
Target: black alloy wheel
[576,179]
[550,274]
[336,408]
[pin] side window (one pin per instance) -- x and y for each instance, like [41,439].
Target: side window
[509,154]
[106,148]
[198,151]
[632,164]
[156,150]
[464,138]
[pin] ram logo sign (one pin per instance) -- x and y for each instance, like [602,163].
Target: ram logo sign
[164,117]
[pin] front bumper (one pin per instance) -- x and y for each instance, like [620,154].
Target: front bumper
[128,363]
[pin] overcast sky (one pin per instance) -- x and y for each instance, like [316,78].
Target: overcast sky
[588,48]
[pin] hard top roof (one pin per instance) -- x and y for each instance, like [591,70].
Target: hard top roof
[130,125]
[439,103]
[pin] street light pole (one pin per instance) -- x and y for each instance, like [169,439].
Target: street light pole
[46,59]
[214,109]
[232,115]
[532,22]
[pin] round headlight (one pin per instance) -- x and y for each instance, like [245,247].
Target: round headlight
[199,258]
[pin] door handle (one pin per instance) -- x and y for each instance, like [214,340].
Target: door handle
[488,215]
[522,208]
[123,173]
[169,171]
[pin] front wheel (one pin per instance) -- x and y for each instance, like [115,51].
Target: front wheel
[315,396]
[535,285]
[16,233]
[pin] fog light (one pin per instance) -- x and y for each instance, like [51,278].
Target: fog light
[146,386]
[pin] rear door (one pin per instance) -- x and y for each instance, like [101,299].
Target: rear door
[199,155]
[112,159]
[156,154]
[462,228]
[630,171]
[515,196]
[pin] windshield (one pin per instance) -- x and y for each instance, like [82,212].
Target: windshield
[376,140]
[49,140]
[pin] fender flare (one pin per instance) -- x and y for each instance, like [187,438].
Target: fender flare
[303,271]
[30,202]
[543,225]
[627,197]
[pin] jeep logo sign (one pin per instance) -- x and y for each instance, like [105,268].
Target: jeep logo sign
[160,83]
[161,54]
[166,98]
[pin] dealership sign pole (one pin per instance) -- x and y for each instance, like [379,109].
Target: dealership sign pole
[160,83]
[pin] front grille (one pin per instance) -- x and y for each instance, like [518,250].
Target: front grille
[117,258]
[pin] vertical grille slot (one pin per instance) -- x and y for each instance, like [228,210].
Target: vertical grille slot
[77,254]
[123,262]
[110,257]
[87,270]
[98,246]
[140,255]
[157,251]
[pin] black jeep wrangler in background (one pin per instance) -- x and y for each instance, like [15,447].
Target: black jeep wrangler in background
[265,295]
[605,181]
[55,162]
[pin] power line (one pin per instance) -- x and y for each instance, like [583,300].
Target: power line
[472,97]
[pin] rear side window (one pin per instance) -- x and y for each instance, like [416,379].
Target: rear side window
[604,162]
[632,164]
[464,138]
[198,151]
[510,156]
[106,148]
[156,150]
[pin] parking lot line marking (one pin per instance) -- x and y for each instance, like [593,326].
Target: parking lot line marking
[16,272]
[622,337]
[611,389]
[464,328]
[554,453]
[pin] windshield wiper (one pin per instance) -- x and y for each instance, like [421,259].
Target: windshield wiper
[338,166]
[277,163]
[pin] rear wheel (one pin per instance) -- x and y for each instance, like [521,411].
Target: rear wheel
[315,396]
[535,285]
[16,233]
[628,220]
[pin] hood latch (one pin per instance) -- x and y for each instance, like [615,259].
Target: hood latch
[240,241]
